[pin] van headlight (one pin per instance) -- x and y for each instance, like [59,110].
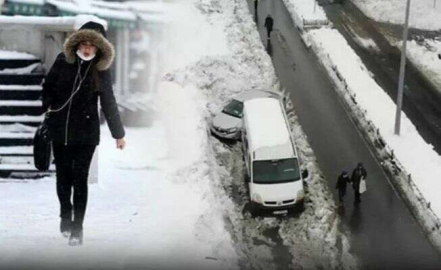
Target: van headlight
[256,198]
[231,130]
[300,195]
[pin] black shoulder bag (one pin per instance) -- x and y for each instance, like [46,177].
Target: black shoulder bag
[42,146]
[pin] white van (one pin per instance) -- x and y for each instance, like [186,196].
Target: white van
[272,166]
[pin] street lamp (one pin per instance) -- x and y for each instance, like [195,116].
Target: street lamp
[402,70]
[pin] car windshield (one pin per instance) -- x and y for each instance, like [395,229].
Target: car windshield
[276,171]
[234,108]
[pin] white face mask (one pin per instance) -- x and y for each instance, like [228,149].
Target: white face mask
[85,58]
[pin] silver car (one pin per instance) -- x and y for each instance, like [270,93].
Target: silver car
[228,123]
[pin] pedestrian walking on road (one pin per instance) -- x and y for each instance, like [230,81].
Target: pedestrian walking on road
[269,23]
[342,182]
[358,175]
[78,78]
[256,15]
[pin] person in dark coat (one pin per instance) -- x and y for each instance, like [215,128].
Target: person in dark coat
[269,23]
[256,6]
[342,182]
[358,174]
[76,81]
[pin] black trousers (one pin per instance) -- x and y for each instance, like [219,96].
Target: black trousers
[268,31]
[72,164]
[341,194]
[357,195]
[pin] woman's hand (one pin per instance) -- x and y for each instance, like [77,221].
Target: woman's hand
[120,143]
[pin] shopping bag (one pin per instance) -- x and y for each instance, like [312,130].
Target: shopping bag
[363,187]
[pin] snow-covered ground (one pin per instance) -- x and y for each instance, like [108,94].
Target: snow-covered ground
[354,80]
[424,14]
[167,200]
[306,13]
[425,55]
[138,214]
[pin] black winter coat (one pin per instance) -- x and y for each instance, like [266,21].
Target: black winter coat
[342,182]
[357,174]
[269,22]
[78,122]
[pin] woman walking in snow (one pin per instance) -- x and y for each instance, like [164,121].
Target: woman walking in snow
[77,79]
[269,22]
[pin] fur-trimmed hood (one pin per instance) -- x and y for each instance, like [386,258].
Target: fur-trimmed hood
[105,53]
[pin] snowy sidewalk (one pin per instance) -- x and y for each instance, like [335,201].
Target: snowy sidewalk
[135,215]
[118,211]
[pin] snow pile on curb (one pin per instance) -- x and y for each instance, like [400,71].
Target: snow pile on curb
[192,167]
[425,57]
[306,13]
[357,89]
[422,13]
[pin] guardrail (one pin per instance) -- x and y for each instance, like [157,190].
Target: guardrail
[307,24]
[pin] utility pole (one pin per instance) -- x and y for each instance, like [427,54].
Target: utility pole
[402,71]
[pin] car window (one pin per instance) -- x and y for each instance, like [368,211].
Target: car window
[234,108]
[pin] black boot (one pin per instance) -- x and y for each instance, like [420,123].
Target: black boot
[65,227]
[76,237]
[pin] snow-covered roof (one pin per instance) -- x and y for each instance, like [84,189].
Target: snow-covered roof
[154,18]
[267,131]
[118,14]
[58,23]
[35,2]
[247,95]
[110,5]
[86,7]
[149,7]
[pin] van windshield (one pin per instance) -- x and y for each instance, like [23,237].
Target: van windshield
[276,171]
[234,108]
